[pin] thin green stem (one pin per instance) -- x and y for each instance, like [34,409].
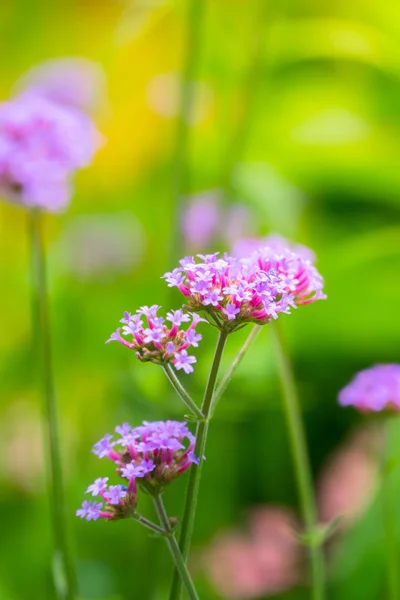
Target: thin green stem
[180,563]
[302,468]
[192,46]
[389,520]
[195,471]
[149,524]
[65,581]
[235,363]
[182,393]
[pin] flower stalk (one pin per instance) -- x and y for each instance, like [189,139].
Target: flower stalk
[182,393]
[65,582]
[225,381]
[302,468]
[173,546]
[389,520]
[195,474]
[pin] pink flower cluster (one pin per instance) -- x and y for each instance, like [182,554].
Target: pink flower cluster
[151,455]
[154,342]
[234,292]
[42,143]
[374,389]
[295,270]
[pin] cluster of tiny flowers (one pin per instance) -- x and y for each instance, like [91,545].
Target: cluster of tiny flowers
[151,456]
[155,341]
[238,291]
[374,389]
[41,144]
[294,268]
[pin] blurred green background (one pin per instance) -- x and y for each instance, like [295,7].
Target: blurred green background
[296,119]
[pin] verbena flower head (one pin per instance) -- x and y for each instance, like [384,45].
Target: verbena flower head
[42,143]
[257,289]
[374,389]
[160,340]
[150,456]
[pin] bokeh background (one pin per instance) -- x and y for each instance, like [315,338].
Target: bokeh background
[295,129]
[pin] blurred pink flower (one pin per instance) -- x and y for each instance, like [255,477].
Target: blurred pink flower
[261,562]
[349,479]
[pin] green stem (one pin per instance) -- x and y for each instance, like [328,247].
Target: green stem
[149,524]
[180,390]
[235,363]
[195,11]
[64,575]
[195,470]
[302,468]
[389,520]
[180,563]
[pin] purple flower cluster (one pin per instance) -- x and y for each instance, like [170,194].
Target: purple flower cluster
[156,342]
[235,292]
[294,268]
[151,456]
[42,143]
[374,389]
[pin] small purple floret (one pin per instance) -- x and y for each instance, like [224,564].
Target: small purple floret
[114,494]
[100,485]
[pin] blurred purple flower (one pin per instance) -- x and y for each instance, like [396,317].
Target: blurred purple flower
[205,219]
[73,81]
[41,145]
[201,219]
[374,389]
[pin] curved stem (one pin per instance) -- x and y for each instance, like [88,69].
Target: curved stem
[300,457]
[235,363]
[389,520]
[182,393]
[65,582]
[195,471]
[173,546]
